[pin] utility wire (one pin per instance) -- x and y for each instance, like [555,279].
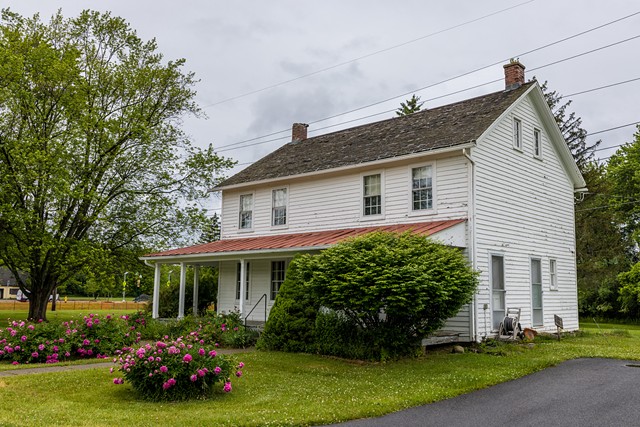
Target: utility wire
[461,75]
[224,147]
[377,52]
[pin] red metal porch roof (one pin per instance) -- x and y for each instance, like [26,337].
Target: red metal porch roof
[304,240]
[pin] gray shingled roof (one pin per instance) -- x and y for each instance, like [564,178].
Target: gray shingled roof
[427,130]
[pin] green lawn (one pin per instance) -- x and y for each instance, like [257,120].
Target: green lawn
[297,389]
[59,315]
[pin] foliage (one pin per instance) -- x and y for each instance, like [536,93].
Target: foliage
[211,229]
[601,248]
[92,156]
[170,293]
[410,106]
[387,290]
[624,172]
[179,370]
[630,291]
[292,318]
[571,127]
[87,337]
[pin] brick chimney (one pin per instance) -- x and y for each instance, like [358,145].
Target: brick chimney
[513,75]
[299,132]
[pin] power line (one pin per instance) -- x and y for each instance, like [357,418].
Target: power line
[607,206]
[350,61]
[459,76]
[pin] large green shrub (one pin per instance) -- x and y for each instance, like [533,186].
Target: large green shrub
[384,292]
[292,318]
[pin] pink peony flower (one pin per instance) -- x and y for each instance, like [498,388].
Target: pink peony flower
[227,387]
[212,353]
[194,378]
[240,365]
[201,373]
[23,338]
[118,380]
[187,358]
[163,369]
[41,347]
[15,362]
[238,374]
[217,370]
[201,352]
[35,355]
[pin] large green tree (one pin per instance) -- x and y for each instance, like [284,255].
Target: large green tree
[92,156]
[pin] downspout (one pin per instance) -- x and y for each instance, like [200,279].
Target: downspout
[471,207]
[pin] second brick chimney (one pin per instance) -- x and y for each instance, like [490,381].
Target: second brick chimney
[513,75]
[299,132]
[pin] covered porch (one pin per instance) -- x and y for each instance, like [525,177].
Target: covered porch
[251,269]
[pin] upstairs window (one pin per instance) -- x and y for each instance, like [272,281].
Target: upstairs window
[537,143]
[372,195]
[246,211]
[279,207]
[277,277]
[422,188]
[517,134]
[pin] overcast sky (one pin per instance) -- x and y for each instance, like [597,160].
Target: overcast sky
[252,58]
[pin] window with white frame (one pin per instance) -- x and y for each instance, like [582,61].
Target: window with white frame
[246,211]
[277,277]
[372,195]
[247,269]
[537,143]
[536,292]
[517,134]
[553,275]
[279,207]
[422,188]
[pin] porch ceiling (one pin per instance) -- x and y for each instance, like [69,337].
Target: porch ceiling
[294,242]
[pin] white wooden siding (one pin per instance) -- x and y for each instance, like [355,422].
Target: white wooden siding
[524,209]
[336,202]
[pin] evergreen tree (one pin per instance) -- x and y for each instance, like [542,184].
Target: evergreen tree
[412,105]
[571,127]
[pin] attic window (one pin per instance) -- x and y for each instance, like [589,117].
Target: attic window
[279,207]
[537,143]
[517,134]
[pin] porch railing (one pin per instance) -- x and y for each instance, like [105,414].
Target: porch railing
[263,297]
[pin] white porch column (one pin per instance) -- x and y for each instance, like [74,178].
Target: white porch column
[243,285]
[156,290]
[183,283]
[196,283]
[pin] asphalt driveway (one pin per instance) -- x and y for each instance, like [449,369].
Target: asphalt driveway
[581,392]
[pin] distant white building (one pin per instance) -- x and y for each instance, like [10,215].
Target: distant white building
[491,174]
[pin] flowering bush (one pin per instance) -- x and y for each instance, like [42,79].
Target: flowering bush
[88,337]
[176,370]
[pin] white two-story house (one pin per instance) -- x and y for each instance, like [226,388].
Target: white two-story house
[492,175]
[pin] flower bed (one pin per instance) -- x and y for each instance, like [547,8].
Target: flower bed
[176,370]
[92,336]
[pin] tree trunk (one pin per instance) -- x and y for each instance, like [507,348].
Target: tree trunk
[38,304]
[41,287]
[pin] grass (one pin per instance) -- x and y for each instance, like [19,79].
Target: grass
[59,315]
[299,389]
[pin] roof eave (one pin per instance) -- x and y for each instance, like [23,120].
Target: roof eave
[451,148]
